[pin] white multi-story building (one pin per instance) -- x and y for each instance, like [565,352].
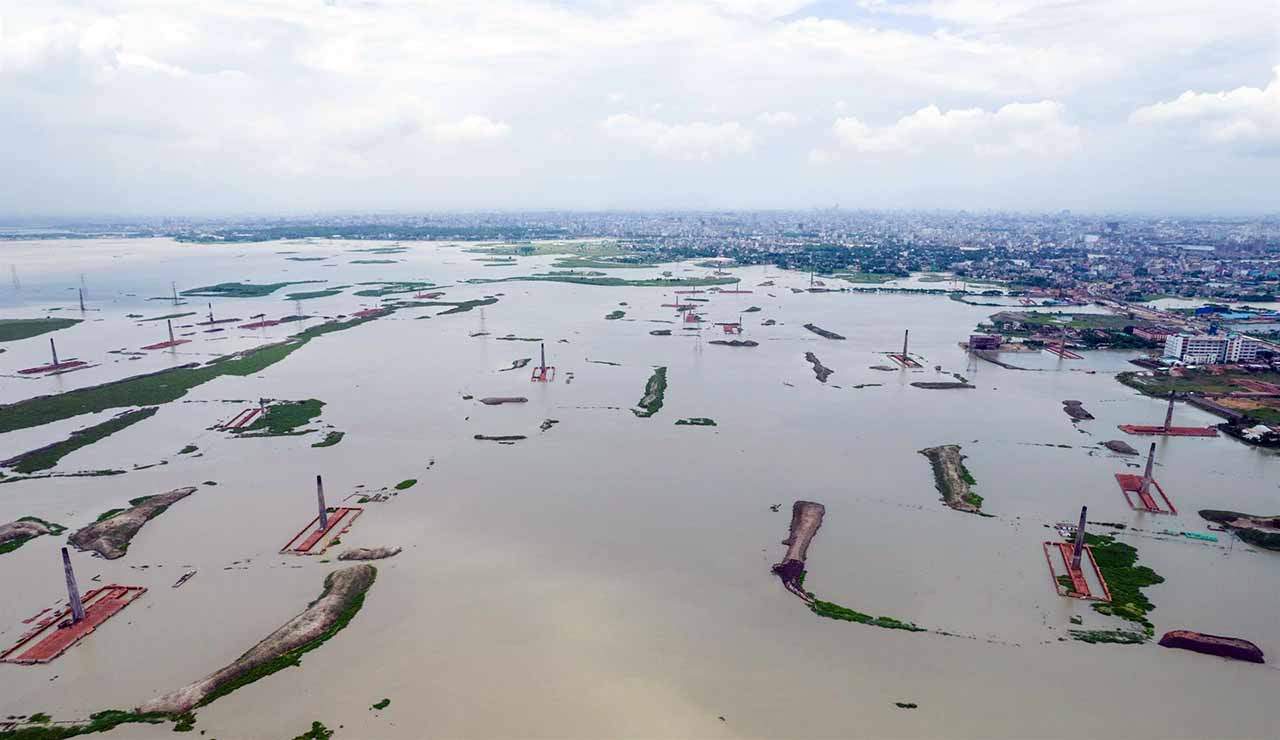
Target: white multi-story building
[1206,349]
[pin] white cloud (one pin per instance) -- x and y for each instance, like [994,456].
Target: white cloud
[779,119]
[1246,118]
[471,129]
[686,141]
[1038,129]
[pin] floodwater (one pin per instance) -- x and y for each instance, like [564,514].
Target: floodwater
[610,576]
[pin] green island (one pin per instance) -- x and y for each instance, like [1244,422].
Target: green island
[655,390]
[282,419]
[169,316]
[317,732]
[307,295]
[14,329]
[406,286]
[187,450]
[614,315]
[696,421]
[242,290]
[455,306]
[104,721]
[330,439]
[382,704]
[373,262]
[406,484]
[160,387]
[613,282]
[1226,383]
[582,249]
[835,611]
[307,259]
[46,457]
[1125,580]
[586,263]
[865,277]
[25,529]
[381,250]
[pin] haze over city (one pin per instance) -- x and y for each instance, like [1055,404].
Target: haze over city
[151,108]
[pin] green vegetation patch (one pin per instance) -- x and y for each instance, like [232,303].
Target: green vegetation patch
[188,450]
[170,316]
[614,315]
[835,611]
[1125,580]
[585,263]
[14,544]
[307,259]
[103,721]
[307,295]
[330,439]
[14,329]
[655,390]
[381,250]
[317,732]
[242,290]
[579,249]
[406,484]
[865,277]
[293,657]
[382,704]
[282,419]
[373,262]
[48,456]
[696,421]
[1109,637]
[161,387]
[615,282]
[407,286]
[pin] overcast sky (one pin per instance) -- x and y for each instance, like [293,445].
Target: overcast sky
[152,107]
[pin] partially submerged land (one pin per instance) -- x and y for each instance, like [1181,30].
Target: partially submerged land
[12,330]
[952,478]
[822,332]
[154,389]
[283,419]
[821,371]
[43,458]
[1262,531]
[17,533]
[343,595]
[1125,579]
[369,553]
[655,390]
[111,534]
[242,290]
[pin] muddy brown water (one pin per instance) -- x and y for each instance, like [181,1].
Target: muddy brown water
[610,576]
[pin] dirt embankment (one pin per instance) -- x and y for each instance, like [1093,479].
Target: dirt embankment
[822,332]
[343,591]
[369,553]
[1119,446]
[806,518]
[1263,531]
[1076,410]
[821,371]
[950,476]
[110,537]
[23,530]
[499,400]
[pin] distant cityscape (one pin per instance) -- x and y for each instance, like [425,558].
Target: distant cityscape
[1117,258]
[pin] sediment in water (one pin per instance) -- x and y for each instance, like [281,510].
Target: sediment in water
[343,596]
[110,536]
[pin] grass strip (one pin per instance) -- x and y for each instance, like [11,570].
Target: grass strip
[46,457]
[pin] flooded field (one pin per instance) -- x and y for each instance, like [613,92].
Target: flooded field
[609,574]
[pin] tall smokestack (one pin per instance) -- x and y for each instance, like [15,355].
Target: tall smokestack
[1075,555]
[170,324]
[175,292]
[81,299]
[905,334]
[542,348]
[73,591]
[324,512]
[1151,461]
[53,348]
[1168,415]
[210,312]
